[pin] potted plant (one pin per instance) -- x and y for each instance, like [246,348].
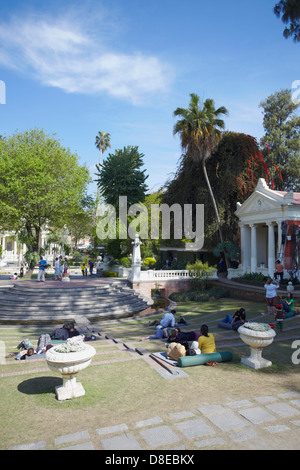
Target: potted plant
[68,359]
[257,336]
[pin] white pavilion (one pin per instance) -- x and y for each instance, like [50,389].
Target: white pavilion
[269,224]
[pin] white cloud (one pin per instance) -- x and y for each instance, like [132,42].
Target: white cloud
[60,53]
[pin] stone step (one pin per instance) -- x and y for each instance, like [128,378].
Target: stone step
[70,307]
[21,303]
[124,308]
[17,300]
[64,293]
[71,316]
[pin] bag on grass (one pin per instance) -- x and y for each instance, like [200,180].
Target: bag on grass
[175,350]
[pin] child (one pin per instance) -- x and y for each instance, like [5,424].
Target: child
[26,348]
[279,317]
[83,269]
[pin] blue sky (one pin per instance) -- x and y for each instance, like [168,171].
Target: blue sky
[123,67]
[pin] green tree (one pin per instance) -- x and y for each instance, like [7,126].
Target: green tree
[121,175]
[289,10]
[281,141]
[41,182]
[81,222]
[233,169]
[200,130]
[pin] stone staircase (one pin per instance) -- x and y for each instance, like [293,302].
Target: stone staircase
[30,305]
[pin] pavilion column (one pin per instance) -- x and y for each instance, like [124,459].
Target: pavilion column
[280,253]
[3,244]
[253,248]
[271,249]
[245,246]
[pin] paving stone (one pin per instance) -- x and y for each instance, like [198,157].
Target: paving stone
[266,399]
[112,429]
[177,374]
[296,402]
[31,446]
[239,404]
[195,428]
[227,421]
[244,435]
[82,446]
[78,436]
[257,415]
[149,422]
[181,415]
[211,409]
[284,410]
[278,428]
[159,436]
[215,441]
[296,422]
[122,442]
[289,394]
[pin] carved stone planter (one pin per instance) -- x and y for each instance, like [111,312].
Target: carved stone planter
[68,364]
[257,340]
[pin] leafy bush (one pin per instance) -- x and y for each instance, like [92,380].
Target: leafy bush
[218,293]
[110,274]
[260,277]
[198,296]
[149,262]
[125,262]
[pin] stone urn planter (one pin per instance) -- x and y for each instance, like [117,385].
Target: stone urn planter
[68,359]
[257,336]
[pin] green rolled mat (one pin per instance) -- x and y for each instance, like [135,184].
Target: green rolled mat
[199,359]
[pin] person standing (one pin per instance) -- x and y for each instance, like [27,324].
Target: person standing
[91,265]
[56,269]
[42,267]
[271,294]
[279,270]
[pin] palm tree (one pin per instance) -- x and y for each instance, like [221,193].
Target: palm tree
[102,143]
[200,130]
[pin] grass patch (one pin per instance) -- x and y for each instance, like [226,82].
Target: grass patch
[130,391]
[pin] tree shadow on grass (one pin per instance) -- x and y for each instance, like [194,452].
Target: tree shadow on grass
[39,385]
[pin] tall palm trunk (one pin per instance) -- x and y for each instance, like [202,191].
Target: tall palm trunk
[215,205]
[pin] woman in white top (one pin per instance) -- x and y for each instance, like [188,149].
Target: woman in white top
[56,268]
[271,294]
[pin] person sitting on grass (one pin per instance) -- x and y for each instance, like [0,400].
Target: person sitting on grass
[288,305]
[26,348]
[182,337]
[67,331]
[168,321]
[206,341]
[233,323]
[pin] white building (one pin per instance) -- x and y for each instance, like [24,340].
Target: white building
[269,224]
[13,252]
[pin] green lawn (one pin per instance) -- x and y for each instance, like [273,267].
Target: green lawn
[129,389]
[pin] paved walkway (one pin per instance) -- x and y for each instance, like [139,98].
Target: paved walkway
[245,424]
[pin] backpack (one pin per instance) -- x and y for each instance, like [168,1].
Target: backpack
[175,350]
